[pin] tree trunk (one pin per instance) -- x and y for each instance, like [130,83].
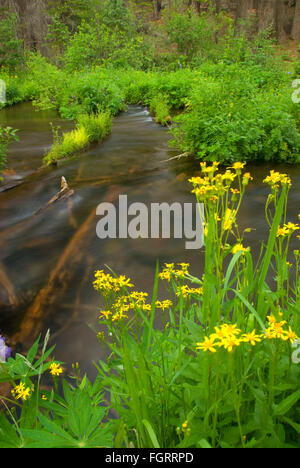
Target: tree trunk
[282,15]
[296,22]
[33,21]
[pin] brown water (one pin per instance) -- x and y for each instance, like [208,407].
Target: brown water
[62,241]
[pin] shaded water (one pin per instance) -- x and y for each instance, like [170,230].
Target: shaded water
[130,162]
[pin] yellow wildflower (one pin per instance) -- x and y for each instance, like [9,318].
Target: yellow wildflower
[252,338]
[239,248]
[207,345]
[118,316]
[230,330]
[228,219]
[21,392]
[55,369]
[238,166]
[183,291]
[290,335]
[277,328]
[105,314]
[164,304]
[276,178]
[230,343]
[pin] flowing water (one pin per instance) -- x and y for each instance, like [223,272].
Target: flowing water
[48,256]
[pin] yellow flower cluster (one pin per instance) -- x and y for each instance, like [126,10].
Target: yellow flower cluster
[105,283]
[228,336]
[170,271]
[276,330]
[186,291]
[211,187]
[123,305]
[287,229]
[184,429]
[21,392]
[240,248]
[163,305]
[275,179]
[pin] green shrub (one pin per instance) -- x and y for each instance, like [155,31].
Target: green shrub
[159,106]
[241,113]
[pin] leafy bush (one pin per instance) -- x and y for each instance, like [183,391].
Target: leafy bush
[193,35]
[89,93]
[159,106]
[243,113]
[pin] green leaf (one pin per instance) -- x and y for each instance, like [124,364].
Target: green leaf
[294,425]
[251,308]
[151,433]
[55,429]
[44,439]
[9,436]
[285,405]
[33,351]
[204,444]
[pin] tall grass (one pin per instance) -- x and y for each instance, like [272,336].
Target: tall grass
[90,129]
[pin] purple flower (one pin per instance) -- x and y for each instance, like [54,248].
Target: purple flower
[5,351]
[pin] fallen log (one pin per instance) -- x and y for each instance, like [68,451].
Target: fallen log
[10,185]
[177,157]
[64,194]
[76,307]
[8,288]
[60,279]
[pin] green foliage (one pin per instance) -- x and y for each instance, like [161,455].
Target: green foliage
[243,112]
[224,112]
[159,106]
[96,43]
[192,34]
[11,47]
[71,418]
[116,15]
[45,81]
[7,135]
[90,129]
[167,393]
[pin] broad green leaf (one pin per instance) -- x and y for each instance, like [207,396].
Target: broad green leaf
[285,405]
[151,433]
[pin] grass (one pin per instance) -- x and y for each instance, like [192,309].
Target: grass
[90,129]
